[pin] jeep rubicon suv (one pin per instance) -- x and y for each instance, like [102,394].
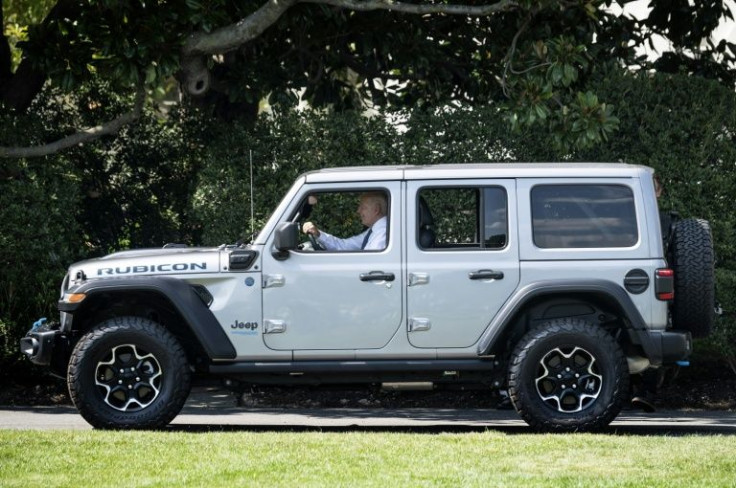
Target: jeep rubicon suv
[554,281]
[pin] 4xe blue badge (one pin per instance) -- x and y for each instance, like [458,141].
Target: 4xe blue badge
[244,328]
[249,281]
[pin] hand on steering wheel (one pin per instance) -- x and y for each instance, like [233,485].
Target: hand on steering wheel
[310,229]
[315,243]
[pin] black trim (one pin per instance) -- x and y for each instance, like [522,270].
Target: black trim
[39,346]
[242,259]
[650,342]
[636,281]
[250,367]
[48,347]
[485,274]
[182,297]
[377,276]
[676,344]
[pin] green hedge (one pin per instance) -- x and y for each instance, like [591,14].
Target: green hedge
[129,191]
[683,127]
[38,235]
[185,178]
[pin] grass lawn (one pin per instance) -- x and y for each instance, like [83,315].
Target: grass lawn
[382,459]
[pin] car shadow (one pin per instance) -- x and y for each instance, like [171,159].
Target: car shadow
[436,421]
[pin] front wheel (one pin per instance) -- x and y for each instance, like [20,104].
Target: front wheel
[568,375]
[128,373]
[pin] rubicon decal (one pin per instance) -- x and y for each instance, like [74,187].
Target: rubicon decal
[153,268]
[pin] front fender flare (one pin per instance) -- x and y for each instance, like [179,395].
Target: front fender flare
[182,297]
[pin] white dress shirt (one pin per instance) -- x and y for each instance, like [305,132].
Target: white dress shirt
[376,240]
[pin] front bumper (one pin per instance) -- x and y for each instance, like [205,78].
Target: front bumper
[47,346]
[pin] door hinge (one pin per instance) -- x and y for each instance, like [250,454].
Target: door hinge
[417,324]
[418,279]
[274,326]
[273,281]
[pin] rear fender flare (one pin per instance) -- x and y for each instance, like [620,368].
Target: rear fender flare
[636,327]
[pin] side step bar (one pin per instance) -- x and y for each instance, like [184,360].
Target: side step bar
[291,367]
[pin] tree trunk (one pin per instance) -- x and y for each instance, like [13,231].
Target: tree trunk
[17,90]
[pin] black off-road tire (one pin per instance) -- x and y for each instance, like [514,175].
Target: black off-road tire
[692,258]
[128,373]
[557,394]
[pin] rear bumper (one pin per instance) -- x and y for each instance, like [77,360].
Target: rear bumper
[667,347]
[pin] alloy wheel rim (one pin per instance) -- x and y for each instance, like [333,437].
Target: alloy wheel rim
[568,379]
[129,378]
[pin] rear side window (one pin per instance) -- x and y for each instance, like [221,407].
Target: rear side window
[583,216]
[462,218]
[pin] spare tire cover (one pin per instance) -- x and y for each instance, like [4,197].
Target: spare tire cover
[692,259]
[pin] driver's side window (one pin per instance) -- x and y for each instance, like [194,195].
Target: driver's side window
[352,220]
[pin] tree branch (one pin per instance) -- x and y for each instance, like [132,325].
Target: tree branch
[194,68]
[233,36]
[510,54]
[196,78]
[420,9]
[85,135]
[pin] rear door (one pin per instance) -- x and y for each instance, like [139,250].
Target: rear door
[462,258]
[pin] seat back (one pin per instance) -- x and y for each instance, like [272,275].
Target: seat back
[426,225]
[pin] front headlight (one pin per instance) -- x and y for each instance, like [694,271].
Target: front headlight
[73,297]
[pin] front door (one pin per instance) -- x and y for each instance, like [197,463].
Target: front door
[336,299]
[462,259]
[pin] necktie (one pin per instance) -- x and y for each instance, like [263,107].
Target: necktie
[365,239]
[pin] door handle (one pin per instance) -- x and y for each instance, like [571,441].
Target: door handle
[485,274]
[377,276]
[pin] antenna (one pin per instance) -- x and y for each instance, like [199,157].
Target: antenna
[252,215]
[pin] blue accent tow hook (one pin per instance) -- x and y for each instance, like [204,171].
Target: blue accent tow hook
[683,364]
[39,323]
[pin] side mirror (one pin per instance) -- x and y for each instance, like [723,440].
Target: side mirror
[285,239]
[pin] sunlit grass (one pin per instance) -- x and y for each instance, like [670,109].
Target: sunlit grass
[126,459]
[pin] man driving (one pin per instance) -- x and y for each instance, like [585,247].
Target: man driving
[372,210]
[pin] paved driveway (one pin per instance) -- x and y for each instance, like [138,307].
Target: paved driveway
[213,409]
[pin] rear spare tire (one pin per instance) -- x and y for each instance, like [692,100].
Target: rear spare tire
[692,258]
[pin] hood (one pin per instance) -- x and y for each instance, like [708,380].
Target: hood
[143,262]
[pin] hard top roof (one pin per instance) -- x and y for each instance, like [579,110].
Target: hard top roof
[477,170]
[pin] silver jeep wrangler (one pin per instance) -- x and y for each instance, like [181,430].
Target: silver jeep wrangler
[553,281]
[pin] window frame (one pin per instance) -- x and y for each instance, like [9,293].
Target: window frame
[480,223]
[347,189]
[634,217]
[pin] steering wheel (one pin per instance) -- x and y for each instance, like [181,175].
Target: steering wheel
[315,243]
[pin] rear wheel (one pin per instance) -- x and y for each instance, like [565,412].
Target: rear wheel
[568,375]
[128,372]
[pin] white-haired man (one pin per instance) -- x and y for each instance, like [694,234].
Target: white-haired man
[372,210]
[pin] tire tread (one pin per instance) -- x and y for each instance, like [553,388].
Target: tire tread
[85,400]
[534,339]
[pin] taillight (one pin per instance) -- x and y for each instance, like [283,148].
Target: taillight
[664,284]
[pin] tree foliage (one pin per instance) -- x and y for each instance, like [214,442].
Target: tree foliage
[532,57]
[185,178]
